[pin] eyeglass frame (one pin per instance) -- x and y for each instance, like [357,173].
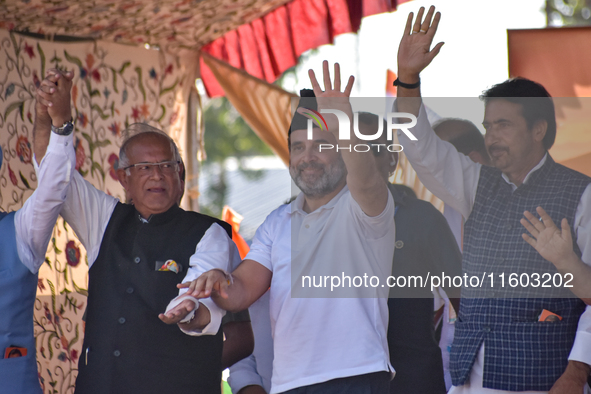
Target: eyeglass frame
[146,163]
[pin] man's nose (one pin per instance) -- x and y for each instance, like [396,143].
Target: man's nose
[156,172]
[311,153]
[490,136]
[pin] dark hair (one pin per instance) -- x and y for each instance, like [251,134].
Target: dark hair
[468,138]
[520,91]
[299,121]
[405,190]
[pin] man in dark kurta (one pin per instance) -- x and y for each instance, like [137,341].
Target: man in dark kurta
[424,244]
[137,254]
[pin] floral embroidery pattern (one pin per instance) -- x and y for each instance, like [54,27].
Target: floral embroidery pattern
[175,23]
[113,87]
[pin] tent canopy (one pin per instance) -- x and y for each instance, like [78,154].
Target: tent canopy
[262,37]
[167,23]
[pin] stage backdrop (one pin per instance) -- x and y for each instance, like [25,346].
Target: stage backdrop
[115,85]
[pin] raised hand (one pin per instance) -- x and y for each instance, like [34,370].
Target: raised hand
[54,94]
[414,52]
[329,90]
[332,97]
[553,244]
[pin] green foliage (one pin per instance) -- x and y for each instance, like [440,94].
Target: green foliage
[568,12]
[226,135]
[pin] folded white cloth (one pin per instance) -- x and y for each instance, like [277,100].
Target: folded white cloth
[176,301]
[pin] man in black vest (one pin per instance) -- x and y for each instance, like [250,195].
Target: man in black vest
[138,253]
[424,244]
[502,340]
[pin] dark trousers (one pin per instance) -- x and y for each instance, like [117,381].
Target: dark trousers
[371,383]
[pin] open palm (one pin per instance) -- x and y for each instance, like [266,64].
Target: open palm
[552,243]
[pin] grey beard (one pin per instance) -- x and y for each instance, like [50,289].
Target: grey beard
[324,184]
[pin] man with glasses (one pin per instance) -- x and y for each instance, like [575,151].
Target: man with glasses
[137,254]
[502,342]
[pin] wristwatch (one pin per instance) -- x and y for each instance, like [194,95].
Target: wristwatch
[65,129]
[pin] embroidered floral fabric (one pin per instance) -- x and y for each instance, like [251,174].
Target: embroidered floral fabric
[115,85]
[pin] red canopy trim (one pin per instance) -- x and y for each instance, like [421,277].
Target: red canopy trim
[268,46]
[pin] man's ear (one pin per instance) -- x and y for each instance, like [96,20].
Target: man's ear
[182,171]
[122,176]
[539,130]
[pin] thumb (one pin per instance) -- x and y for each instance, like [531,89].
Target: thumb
[566,235]
[435,51]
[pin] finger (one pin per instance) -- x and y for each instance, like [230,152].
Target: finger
[529,227]
[54,70]
[222,289]
[48,82]
[548,222]
[45,96]
[53,73]
[198,286]
[566,234]
[163,318]
[326,76]
[166,319]
[408,25]
[195,286]
[314,81]
[435,51]
[224,292]
[433,28]
[209,284]
[427,22]
[48,89]
[52,78]
[529,240]
[184,285]
[534,221]
[349,86]
[337,77]
[69,75]
[417,26]
[44,102]
[187,305]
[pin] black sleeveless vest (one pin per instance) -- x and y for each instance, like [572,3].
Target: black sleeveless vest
[127,348]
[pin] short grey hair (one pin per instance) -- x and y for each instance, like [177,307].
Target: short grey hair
[136,129]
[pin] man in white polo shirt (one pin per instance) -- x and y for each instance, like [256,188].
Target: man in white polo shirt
[341,224]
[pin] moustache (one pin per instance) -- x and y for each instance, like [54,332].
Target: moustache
[313,165]
[496,148]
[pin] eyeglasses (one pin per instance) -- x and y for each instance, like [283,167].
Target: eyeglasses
[166,167]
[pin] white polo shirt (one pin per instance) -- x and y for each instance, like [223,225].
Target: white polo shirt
[319,339]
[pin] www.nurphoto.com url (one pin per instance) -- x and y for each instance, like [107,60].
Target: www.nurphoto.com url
[487,280]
